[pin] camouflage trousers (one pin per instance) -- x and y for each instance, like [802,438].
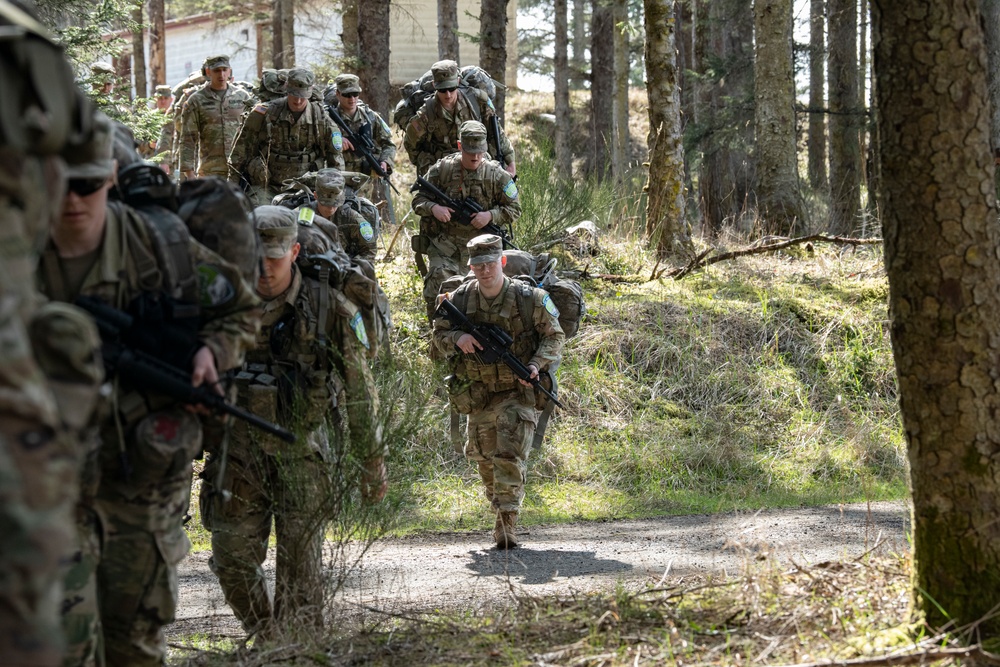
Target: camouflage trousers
[500,435]
[81,618]
[290,491]
[446,257]
[144,505]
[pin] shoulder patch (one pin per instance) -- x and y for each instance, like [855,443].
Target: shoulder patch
[385,126]
[367,231]
[338,138]
[549,306]
[489,103]
[510,189]
[261,108]
[214,288]
[358,327]
[306,216]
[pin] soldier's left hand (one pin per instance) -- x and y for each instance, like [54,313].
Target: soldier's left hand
[204,372]
[481,219]
[534,375]
[348,146]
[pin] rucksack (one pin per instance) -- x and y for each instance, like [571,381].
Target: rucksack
[416,92]
[539,271]
[297,192]
[221,218]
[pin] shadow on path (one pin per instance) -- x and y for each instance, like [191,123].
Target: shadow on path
[527,566]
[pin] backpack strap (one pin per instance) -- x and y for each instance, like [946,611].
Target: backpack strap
[473,102]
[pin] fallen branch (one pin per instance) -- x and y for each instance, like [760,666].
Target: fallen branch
[702,261]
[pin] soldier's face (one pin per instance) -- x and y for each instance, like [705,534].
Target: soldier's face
[277,273]
[471,161]
[296,103]
[348,102]
[219,77]
[447,97]
[489,275]
[84,207]
[326,211]
[163,103]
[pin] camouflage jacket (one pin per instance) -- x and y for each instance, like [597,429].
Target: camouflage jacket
[489,185]
[357,236]
[433,132]
[210,122]
[283,146]
[381,135]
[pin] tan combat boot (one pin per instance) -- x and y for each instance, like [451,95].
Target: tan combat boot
[503,531]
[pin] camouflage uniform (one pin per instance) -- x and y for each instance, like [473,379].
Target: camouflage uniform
[358,237]
[182,92]
[434,131]
[308,352]
[162,146]
[144,463]
[44,116]
[210,121]
[502,414]
[276,144]
[444,242]
[371,121]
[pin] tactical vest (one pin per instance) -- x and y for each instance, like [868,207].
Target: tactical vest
[514,316]
[294,149]
[458,183]
[441,136]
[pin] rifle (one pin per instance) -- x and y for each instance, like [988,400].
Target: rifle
[496,345]
[464,210]
[142,370]
[363,144]
[494,127]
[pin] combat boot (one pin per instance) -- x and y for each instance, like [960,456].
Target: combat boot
[503,531]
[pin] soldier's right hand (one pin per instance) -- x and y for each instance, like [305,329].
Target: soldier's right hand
[442,213]
[467,343]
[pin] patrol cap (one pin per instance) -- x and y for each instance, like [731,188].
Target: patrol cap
[100,69]
[472,134]
[300,82]
[347,83]
[163,91]
[485,248]
[445,73]
[278,230]
[94,159]
[215,62]
[330,187]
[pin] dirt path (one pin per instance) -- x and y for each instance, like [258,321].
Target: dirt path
[449,570]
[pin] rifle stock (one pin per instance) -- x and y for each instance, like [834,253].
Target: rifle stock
[495,343]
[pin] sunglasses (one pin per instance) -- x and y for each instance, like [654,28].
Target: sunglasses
[84,187]
[349,94]
[447,90]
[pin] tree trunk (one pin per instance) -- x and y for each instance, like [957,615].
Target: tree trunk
[602,86]
[666,223]
[564,156]
[448,30]
[373,44]
[778,201]
[817,119]
[684,30]
[349,36]
[991,21]
[139,53]
[578,64]
[493,45]
[739,86]
[619,148]
[157,44]
[845,125]
[941,244]
[283,34]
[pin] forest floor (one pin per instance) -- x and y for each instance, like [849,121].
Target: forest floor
[464,572]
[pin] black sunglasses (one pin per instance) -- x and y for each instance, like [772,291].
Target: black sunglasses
[84,187]
[447,90]
[349,94]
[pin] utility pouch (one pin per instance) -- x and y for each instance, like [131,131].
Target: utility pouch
[262,400]
[420,244]
[460,394]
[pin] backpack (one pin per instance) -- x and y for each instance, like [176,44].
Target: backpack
[416,92]
[220,217]
[298,192]
[539,271]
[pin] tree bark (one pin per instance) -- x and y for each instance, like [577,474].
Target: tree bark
[845,117]
[778,201]
[564,156]
[448,30]
[817,119]
[619,147]
[578,64]
[349,36]
[139,53]
[991,21]
[666,222]
[684,31]
[493,45]
[373,44]
[157,43]
[283,33]
[602,87]
[941,238]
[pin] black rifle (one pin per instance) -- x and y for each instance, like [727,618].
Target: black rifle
[143,370]
[464,210]
[494,126]
[363,144]
[495,343]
